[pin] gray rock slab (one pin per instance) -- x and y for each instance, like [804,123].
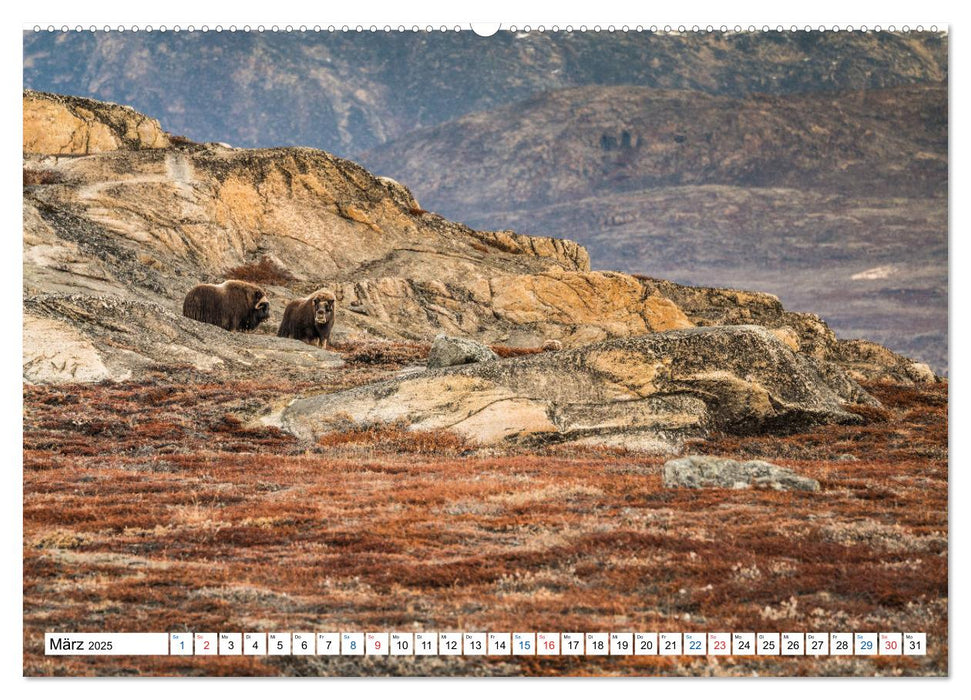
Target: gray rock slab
[646,393]
[448,351]
[696,472]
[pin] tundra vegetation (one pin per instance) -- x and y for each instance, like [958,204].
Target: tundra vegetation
[157,506]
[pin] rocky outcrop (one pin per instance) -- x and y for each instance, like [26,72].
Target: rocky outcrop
[121,229]
[136,221]
[804,332]
[73,126]
[696,472]
[863,359]
[520,310]
[450,352]
[649,392]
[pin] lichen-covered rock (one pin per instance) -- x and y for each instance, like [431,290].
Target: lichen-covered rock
[805,332]
[865,360]
[649,392]
[59,125]
[447,351]
[697,472]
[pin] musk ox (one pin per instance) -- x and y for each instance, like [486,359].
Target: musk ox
[234,305]
[310,319]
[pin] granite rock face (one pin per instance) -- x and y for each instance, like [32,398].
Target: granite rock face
[447,351]
[650,392]
[695,472]
[523,310]
[75,126]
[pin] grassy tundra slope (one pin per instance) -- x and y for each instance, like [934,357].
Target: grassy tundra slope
[152,506]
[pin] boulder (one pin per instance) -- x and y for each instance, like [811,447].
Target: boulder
[650,393]
[696,472]
[447,351]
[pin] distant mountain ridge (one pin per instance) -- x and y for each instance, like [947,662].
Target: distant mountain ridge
[597,140]
[347,92]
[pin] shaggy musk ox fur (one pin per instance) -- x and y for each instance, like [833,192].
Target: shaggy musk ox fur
[310,319]
[234,305]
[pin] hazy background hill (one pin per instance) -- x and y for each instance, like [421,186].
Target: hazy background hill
[810,165]
[349,92]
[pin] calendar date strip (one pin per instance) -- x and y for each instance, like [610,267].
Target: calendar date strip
[486,644]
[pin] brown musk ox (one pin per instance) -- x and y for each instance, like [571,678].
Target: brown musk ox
[233,305]
[310,319]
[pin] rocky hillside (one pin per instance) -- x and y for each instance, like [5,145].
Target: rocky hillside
[809,165]
[837,202]
[114,239]
[68,126]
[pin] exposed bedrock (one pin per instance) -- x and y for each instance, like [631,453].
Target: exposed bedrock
[649,392]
